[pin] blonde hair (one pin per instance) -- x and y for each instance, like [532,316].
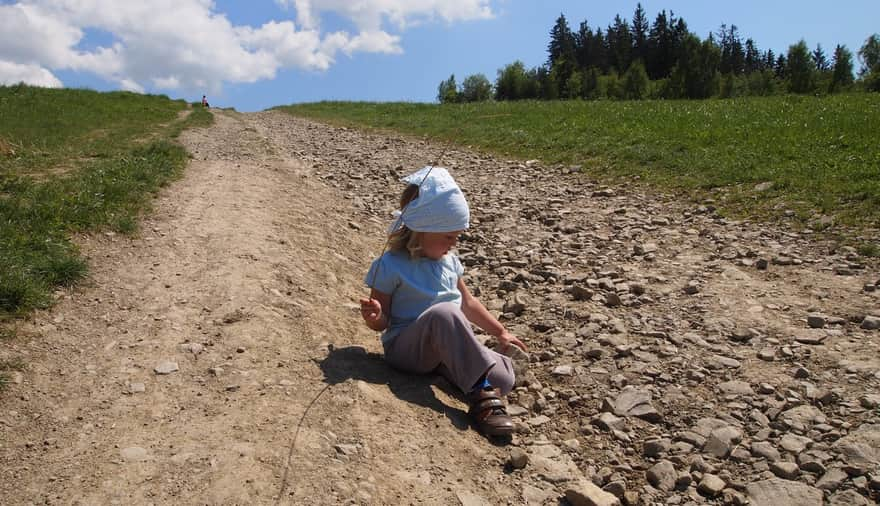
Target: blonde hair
[406,239]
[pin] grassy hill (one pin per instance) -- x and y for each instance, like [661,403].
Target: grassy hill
[73,161]
[820,155]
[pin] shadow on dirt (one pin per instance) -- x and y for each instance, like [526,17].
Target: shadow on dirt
[354,362]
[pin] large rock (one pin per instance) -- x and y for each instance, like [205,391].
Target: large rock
[636,402]
[585,493]
[779,492]
[860,450]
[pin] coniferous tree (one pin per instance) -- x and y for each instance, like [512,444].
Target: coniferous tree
[819,58]
[583,41]
[620,44]
[753,61]
[661,55]
[769,60]
[562,60]
[842,71]
[801,69]
[781,67]
[732,52]
[640,34]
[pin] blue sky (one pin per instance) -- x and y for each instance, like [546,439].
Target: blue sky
[253,55]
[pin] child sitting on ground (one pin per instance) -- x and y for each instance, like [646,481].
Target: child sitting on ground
[420,301]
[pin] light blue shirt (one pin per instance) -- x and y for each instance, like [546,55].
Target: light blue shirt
[414,285]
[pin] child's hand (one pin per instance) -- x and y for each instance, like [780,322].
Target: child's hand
[505,339]
[371,311]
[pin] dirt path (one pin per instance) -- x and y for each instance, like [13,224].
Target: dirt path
[243,281]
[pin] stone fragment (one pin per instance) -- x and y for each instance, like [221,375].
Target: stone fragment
[519,459]
[786,470]
[133,454]
[832,479]
[871,323]
[166,367]
[467,498]
[711,485]
[765,450]
[779,492]
[849,498]
[585,493]
[636,402]
[736,388]
[662,475]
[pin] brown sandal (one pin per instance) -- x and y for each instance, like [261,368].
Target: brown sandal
[489,412]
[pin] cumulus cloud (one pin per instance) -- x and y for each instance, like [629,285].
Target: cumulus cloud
[188,45]
[14,73]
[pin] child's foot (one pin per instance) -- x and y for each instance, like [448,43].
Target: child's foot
[489,412]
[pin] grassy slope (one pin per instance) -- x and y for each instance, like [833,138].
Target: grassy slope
[75,160]
[821,154]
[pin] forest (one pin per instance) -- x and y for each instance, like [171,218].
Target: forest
[634,60]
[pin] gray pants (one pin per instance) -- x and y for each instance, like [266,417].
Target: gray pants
[441,340]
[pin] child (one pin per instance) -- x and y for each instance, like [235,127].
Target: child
[419,300]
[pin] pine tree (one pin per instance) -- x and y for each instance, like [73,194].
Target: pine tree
[562,42]
[640,34]
[819,58]
[583,41]
[620,44]
[801,69]
[661,56]
[753,62]
[562,61]
[842,71]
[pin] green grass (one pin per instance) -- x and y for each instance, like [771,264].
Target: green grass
[821,154]
[75,161]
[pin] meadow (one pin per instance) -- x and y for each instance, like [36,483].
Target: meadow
[76,161]
[820,155]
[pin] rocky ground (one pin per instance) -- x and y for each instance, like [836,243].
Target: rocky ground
[676,357]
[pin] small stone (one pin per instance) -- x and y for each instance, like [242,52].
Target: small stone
[785,470]
[662,475]
[133,454]
[136,388]
[166,368]
[871,323]
[711,485]
[586,493]
[779,492]
[519,459]
[563,370]
[832,479]
[816,321]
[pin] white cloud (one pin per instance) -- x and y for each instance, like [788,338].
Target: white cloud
[14,73]
[369,15]
[187,45]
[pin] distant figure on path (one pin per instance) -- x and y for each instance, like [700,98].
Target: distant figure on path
[205,102]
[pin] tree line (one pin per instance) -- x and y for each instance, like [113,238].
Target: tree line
[664,59]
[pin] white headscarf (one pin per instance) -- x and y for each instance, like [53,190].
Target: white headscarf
[440,206]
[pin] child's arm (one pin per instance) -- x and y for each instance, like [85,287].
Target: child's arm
[376,309]
[477,313]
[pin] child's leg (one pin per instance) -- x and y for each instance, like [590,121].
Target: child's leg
[442,339]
